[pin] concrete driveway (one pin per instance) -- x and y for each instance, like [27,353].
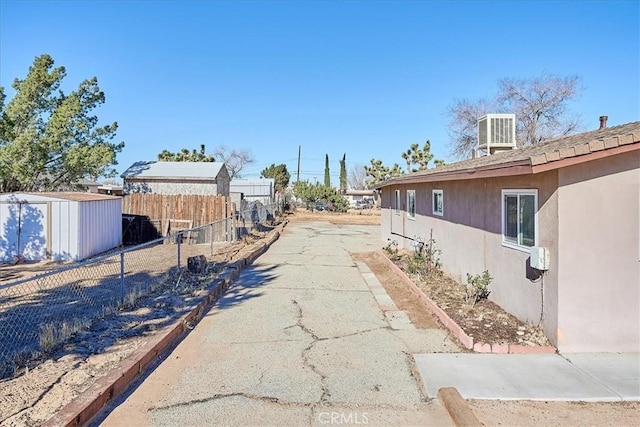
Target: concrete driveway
[304,336]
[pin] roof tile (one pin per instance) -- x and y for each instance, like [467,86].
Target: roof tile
[538,160]
[553,156]
[567,152]
[582,149]
[611,142]
[627,139]
[596,145]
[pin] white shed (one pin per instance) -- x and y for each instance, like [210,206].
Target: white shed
[261,190]
[58,226]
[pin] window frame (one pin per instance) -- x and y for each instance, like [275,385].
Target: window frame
[411,213]
[434,193]
[397,202]
[519,193]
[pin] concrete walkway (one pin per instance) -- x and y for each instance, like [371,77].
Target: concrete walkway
[305,336]
[594,377]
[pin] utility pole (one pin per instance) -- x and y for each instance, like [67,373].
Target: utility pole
[298,179]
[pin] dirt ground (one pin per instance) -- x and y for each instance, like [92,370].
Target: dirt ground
[484,321]
[37,393]
[401,295]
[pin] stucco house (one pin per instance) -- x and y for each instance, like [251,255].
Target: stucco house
[578,197]
[170,178]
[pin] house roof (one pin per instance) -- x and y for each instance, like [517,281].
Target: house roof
[537,158]
[168,170]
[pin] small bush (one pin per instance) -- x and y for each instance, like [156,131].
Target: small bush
[477,287]
[426,257]
[392,249]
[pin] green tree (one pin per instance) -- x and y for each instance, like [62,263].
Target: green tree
[186,155]
[343,172]
[377,172]
[279,173]
[49,139]
[311,194]
[438,162]
[327,176]
[418,156]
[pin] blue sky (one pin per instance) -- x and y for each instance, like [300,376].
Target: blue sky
[365,78]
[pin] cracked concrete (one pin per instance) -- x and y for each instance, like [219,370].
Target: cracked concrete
[300,338]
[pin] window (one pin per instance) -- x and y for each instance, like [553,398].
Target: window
[397,202]
[411,204]
[438,202]
[519,208]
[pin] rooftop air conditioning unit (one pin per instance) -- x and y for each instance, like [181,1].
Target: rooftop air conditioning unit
[496,132]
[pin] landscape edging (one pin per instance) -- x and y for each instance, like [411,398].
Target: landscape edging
[456,330]
[89,403]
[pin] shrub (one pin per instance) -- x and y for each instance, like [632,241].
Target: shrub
[392,249]
[426,257]
[477,287]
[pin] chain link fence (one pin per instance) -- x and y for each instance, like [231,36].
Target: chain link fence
[40,312]
[252,214]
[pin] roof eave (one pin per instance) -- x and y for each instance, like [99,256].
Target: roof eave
[595,155]
[521,167]
[171,179]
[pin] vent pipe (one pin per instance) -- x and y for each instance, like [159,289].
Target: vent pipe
[603,121]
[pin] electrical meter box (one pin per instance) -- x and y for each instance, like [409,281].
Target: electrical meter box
[540,258]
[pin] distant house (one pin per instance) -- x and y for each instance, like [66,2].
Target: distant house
[575,199]
[354,197]
[170,178]
[113,190]
[250,190]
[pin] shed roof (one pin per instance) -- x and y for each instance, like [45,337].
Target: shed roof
[61,195]
[155,169]
[537,158]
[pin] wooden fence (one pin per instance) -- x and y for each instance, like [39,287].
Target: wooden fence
[162,209]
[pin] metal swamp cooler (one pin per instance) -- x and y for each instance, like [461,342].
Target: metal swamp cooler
[58,226]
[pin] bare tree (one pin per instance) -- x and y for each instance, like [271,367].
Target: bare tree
[357,177]
[235,160]
[463,125]
[541,106]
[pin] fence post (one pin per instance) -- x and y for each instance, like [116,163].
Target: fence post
[211,238]
[122,275]
[179,238]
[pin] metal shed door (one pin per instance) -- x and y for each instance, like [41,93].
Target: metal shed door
[24,231]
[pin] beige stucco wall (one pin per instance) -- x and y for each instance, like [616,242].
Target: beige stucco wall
[599,212]
[469,235]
